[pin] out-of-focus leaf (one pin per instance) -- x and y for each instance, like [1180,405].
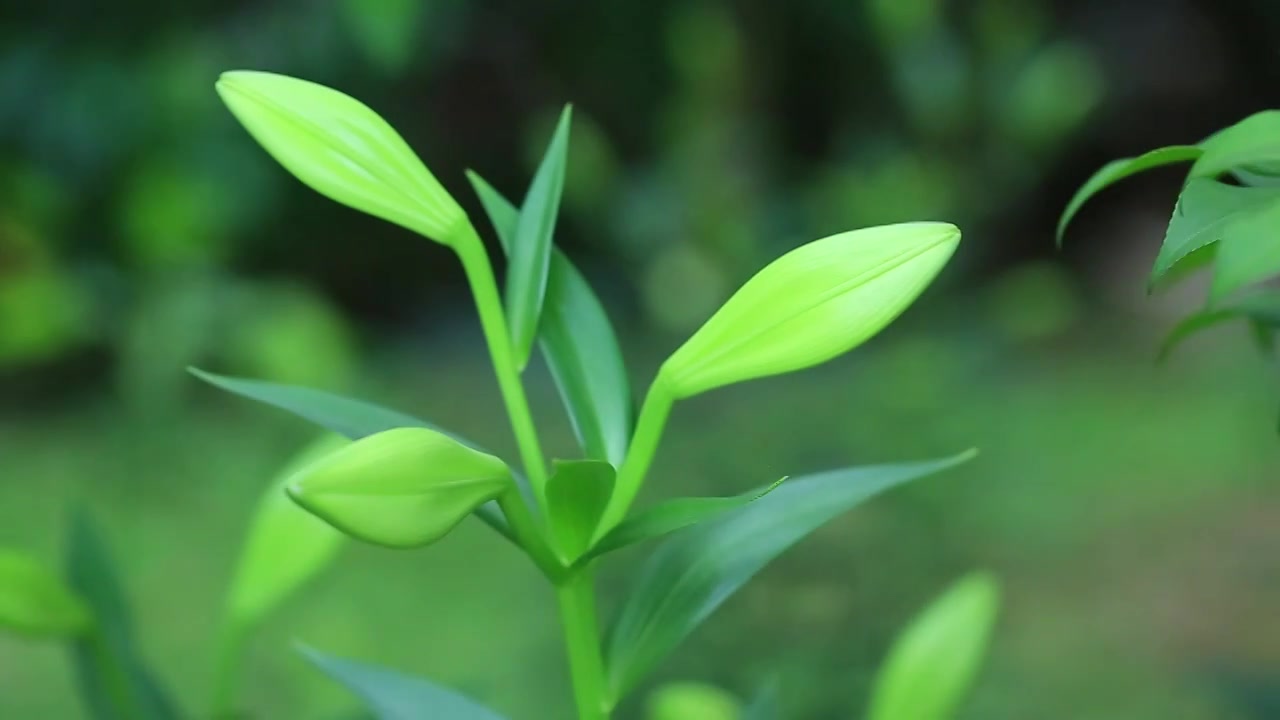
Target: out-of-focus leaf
[1207,211]
[765,704]
[115,682]
[35,602]
[1252,141]
[670,516]
[812,304]
[935,660]
[1117,170]
[530,253]
[353,419]
[340,148]
[390,695]
[577,493]
[697,569]
[385,29]
[1262,309]
[690,700]
[1249,251]
[578,343]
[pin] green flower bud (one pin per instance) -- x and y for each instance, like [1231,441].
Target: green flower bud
[399,488]
[341,149]
[34,601]
[812,304]
[687,700]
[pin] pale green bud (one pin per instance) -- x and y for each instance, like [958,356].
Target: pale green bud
[812,304]
[34,601]
[400,488]
[689,700]
[341,149]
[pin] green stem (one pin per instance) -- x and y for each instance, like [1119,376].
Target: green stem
[530,536]
[644,445]
[226,679]
[475,262]
[577,598]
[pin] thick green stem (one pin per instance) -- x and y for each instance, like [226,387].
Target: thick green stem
[644,444]
[577,598]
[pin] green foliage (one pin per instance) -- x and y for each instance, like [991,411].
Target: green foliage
[35,602]
[577,493]
[687,700]
[1117,170]
[935,660]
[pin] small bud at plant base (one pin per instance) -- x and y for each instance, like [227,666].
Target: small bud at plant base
[342,149]
[399,488]
[34,601]
[812,304]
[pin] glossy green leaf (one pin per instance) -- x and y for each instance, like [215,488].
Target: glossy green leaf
[341,149]
[1118,170]
[115,682]
[577,493]
[578,343]
[1262,309]
[35,602]
[1252,141]
[530,255]
[1207,211]
[391,695]
[286,546]
[670,516]
[811,305]
[1249,250]
[690,701]
[399,488]
[935,660]
[353,419]
[695,570]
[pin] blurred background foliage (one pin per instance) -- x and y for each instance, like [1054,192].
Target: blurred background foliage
[1130,509]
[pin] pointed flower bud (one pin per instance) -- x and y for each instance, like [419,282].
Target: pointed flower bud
[341,149]
[399,488]
[812,304]
[34,601]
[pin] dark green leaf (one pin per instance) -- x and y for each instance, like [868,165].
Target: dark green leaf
[765,705]
[1117,170]
[1261,309]
[390,695]
[1252,141]
[578,343]
[672,515]
[353,419]
[531,250]
[114,680]
[1207,210]
[577,493]
[1248,252]
[697,569]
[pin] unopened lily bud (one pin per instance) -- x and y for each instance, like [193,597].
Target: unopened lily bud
[399,488]
[812,304]
[341,149]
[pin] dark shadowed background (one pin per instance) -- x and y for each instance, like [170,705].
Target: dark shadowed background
[1129,508]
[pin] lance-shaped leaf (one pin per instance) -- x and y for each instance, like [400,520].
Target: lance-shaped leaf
[1249,250]
[812,304]
[400,488]
[577,493]
[670,516]
[340,148]
[1207,211]
[935,660]
[1117,170]
[578,343]
[391,695]
[1252,141]
[1261,309]
[35,602]
[530,253]
[695,570]
[115,681]
[350,418]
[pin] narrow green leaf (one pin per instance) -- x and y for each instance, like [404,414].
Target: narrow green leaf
[35,602]
[391,695]
[579,345]
[765,705]
[353,419]
[343,150]
[1117,170]
[1249,250]
[1252,141]
[811,305]
[697,569]
[1205,213]
[1262,309]
[577,493]
[935,660]
[670,516]
[531,249]
[114,680]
